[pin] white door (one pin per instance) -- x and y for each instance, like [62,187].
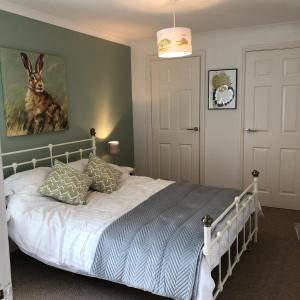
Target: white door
[5,277]
[175,119]
[272,115]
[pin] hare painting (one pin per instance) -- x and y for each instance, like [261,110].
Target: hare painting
[35,92]
[44,114]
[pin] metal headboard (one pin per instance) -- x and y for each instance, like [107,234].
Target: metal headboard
[51,157]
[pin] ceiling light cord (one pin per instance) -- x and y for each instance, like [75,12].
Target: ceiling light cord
[174,13]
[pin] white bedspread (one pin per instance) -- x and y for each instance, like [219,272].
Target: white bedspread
[66,236]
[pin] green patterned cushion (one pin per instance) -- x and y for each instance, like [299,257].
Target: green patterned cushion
[105,178]
[66,184]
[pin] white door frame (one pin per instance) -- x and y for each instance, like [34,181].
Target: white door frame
[245,50]
[202,106]
[5,274]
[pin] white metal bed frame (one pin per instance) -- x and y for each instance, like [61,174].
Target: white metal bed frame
[211,238]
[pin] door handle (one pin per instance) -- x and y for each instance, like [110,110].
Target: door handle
[193,129]
[250,130]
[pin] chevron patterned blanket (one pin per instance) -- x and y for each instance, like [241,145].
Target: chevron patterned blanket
[157,246]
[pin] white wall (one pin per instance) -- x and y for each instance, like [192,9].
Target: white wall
[5,276]
[223,129]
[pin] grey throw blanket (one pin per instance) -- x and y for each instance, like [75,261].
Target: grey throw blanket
[157,246]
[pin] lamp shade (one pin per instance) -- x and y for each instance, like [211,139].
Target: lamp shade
[113,147]
[174,42]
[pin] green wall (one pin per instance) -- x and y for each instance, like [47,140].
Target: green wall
[98,84]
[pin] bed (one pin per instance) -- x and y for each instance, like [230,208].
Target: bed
[67,237]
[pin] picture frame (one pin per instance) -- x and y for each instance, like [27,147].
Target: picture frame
[34,92]
[222,89]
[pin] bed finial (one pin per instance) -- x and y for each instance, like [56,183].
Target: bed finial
[207,220]
[92,132]
[93,135]
[255,173]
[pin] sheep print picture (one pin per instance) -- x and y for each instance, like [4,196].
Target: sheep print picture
[34,92]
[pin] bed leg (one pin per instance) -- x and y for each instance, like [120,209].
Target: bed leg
[255,236]
[255,175]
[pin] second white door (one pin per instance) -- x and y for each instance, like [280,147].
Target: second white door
[175,90]
[272,125]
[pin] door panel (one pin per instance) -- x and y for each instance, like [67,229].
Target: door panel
[291,66]
[165,110]
[185,108]
[288,162]
[262,95]
[272,96]
[165,166]
[263,68]
[185,163]
[175,87]
[291,98]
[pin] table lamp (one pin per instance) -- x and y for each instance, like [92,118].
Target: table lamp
[113,148]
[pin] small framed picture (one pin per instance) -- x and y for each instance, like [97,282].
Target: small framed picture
[222,89]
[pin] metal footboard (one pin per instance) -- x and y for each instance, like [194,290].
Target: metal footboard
[247,199]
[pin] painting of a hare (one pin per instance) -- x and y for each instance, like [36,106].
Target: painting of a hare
[43,113]
[41,106]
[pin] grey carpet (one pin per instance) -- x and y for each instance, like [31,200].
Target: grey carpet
[271,270]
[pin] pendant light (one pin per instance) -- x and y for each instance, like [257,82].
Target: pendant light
[174,41]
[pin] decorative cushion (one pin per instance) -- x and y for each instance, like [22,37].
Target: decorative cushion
[105,177]
[66,184]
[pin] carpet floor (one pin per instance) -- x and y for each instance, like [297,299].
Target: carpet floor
[271,270]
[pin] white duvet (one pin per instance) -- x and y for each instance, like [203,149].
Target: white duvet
[66,236]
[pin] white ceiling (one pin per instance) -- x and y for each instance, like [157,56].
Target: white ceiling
[126,20]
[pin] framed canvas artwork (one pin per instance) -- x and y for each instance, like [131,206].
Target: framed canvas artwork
[34,92]
[222,89]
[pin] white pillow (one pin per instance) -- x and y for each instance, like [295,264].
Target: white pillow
[81,164]
[30,181]
[27,182]
[124,170]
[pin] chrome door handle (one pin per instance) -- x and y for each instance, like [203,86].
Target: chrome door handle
[193,129]
[250,130]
